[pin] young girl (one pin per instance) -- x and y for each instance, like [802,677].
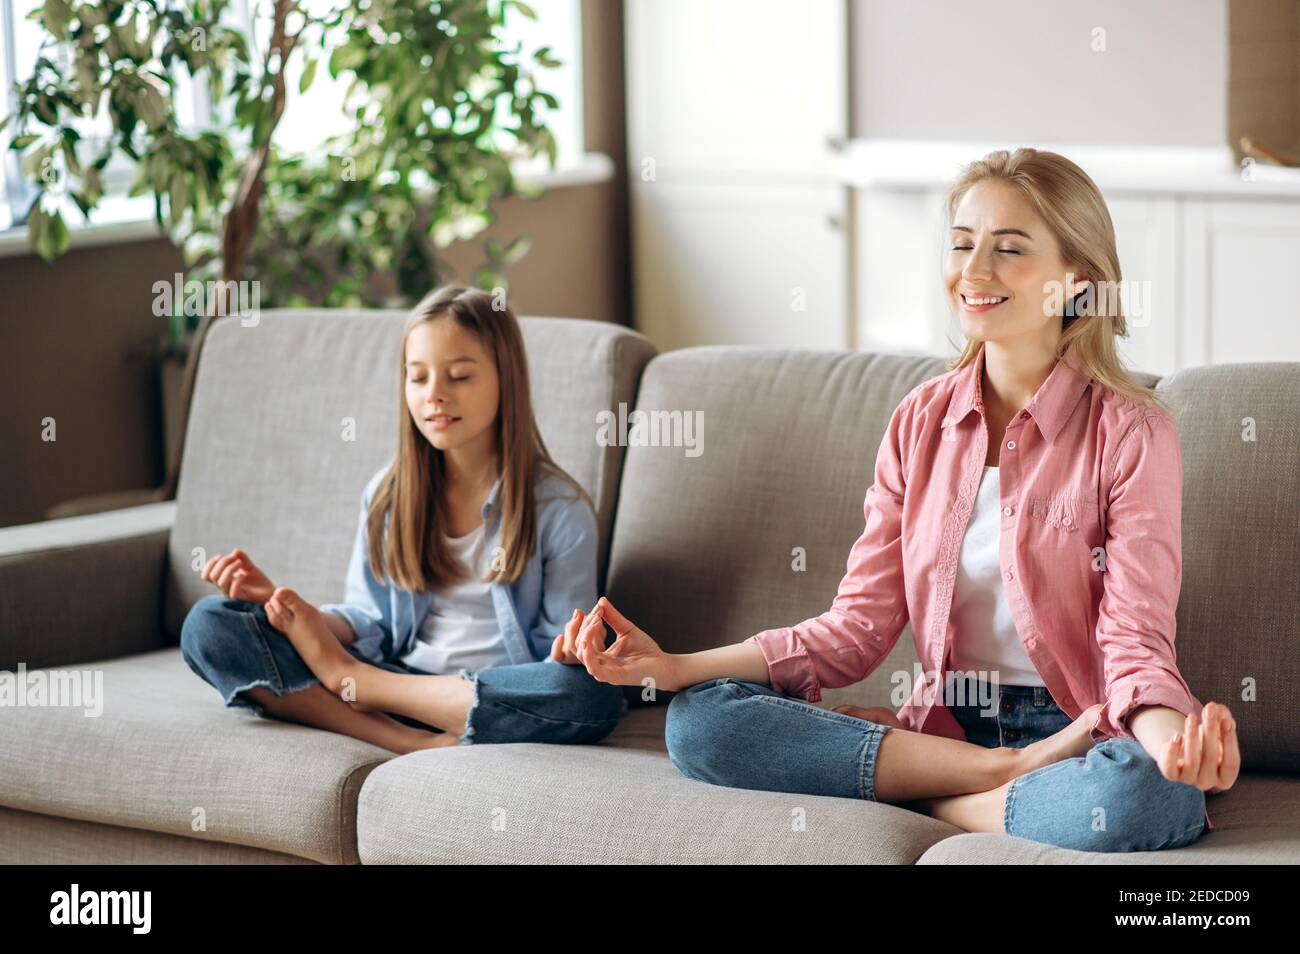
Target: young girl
[1025,516]
[472,550]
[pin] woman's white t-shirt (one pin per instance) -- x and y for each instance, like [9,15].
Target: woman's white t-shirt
[986,637]
[460,630]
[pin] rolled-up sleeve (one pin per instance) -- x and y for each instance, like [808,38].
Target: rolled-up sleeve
[366,600]
[568,547]
[1143,576]
[846,643]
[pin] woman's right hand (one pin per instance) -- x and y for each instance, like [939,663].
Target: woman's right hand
[633,658]
[238,577]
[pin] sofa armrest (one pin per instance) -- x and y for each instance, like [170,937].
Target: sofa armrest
[84,588]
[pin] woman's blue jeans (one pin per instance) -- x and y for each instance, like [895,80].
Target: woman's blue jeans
[746,735]
[232,646]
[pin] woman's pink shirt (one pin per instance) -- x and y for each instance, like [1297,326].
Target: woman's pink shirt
[1091,551]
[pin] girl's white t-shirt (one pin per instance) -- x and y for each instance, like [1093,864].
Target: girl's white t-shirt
[460,630]
[985,631]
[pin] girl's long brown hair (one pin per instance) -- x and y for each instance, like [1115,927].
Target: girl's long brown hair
[412,551]
[1073,208]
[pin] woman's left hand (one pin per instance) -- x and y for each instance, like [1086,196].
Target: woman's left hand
[1205,753]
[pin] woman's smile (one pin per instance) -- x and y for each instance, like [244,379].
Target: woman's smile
[979,303]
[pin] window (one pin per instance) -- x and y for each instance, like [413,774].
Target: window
[19,41]
[310,119]
[558,26]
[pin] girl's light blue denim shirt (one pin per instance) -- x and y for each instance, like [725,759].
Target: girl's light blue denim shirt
[560,577]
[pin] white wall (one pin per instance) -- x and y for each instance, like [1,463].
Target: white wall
[1025,70]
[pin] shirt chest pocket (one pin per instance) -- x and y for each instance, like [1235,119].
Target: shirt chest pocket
[1065,512]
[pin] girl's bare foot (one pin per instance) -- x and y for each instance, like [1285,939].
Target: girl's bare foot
[1074,741]
[307,630]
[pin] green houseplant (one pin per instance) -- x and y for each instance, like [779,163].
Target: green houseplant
[438,109]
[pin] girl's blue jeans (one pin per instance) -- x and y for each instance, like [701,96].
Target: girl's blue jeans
[233,646]
[746,735]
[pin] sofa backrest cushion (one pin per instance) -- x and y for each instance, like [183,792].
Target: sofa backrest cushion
[1238,636]
[703,548]
[292,415]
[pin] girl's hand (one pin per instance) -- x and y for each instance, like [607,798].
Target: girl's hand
[631,660]
[565,647]
[1205,753]
[238,577]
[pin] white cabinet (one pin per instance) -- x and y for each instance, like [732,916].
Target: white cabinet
[1240,268]
[757,265]
[898,249]
[1147,234]
[739,216]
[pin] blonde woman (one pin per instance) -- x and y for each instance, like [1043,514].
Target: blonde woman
[1025,516]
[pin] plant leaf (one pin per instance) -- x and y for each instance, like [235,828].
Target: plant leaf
[47,233]
[308,74]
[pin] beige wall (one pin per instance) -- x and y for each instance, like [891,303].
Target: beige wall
[78,337]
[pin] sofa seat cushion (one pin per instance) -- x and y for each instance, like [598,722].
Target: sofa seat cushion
[621,800]
[30,839]
[165,746]
[1257,821]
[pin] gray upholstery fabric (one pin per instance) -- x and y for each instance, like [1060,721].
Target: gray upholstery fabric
[1239,610]
[1257,821]
[81,588]
[30,839]
[165,745]
[619,801]
[267,466]
[702,550]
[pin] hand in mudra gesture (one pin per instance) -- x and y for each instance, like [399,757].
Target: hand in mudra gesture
[1205,753]
[633,657]
[236,575]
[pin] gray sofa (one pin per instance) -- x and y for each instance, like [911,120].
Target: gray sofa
[697,550]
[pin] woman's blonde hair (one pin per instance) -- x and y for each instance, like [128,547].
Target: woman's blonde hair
[1074,210]
[413,551]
